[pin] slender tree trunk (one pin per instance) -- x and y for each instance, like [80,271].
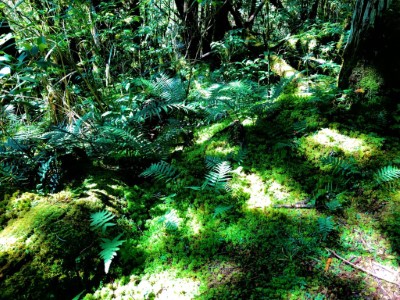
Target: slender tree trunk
[9,46]
[314,10]
[188,12]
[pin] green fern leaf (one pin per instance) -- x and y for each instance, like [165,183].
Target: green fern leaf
[219,176]
[101,220]
[339,165]
[160,170]
[170,220]
[326,225]
[212,161]
[109,250]
[219,210]
[387,174]
[333,204]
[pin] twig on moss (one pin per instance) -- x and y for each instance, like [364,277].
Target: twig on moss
[360,268]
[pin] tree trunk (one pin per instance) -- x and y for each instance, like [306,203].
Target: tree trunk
[188,12]
[314,11]
[373,44]
[8,46]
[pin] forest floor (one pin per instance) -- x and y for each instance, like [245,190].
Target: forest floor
[293,211]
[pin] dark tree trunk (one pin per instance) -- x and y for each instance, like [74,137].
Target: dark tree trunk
[9,46]
[188,12]
[314,11]
[371,66]
[373,43]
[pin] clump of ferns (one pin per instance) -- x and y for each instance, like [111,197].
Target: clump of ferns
[345,170]
[330,198]
[218,176]
[231,100]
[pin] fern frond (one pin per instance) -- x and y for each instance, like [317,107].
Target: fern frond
[339,165]
[241,155]
[109,250]
[219,210]
[170,220]
[333,204]
[326,225]
[160,170]
[219,176]
[212,161]
[101,220]
[387,174]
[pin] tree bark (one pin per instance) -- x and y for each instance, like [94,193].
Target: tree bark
[188,12]
[9,46]
[373,43]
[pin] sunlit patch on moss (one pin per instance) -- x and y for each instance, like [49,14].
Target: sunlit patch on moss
[278,191]
[164,285]
[251,185]
[332,138]
[207,132]
[194,222]
[18,230]
[328,142]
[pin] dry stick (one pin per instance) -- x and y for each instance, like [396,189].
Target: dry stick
[361,269]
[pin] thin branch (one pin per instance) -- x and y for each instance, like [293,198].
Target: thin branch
[360,268]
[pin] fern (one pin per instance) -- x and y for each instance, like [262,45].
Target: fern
[160,170]
[161,96]
[340,166]
[101,220]
[241,155]
[219,210]
[387,174]
[333,204]
[219,176]
[232,99]
[109,250]
[325,225]
[212,161]
[170,220]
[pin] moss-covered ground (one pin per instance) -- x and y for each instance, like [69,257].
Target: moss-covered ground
[301,186]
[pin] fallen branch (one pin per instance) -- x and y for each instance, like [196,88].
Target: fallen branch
[360,268]
[301,204]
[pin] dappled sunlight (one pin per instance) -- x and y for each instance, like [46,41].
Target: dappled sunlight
[255,187]
[332,138]
[207,132]
[17,231]
[7,240]
[164,285]
[194,224]
[278,191]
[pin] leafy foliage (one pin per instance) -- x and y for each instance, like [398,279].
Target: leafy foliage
[219,176]
[161,170]
[325,226]
[170,220]
[101,220]
[220,210]
[387,174]
[109,250]
[340,166]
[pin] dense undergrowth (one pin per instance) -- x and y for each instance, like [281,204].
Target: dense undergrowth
[240,179]
[193,229]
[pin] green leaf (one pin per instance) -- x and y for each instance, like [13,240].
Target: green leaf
[387,174]
[160,170]
[41,43]
[110,248]
[101,220]
[219,210]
